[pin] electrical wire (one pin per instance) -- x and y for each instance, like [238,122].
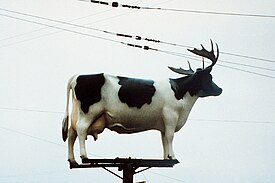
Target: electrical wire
[37,30]
[232,121]
[194,57]
[49,19]
[133,45]
[124,35]
[30,110]
[221,65]
[172,178]
[198,120]
[116,4]
[31,136]
[48,34]
[39,138]
[40,29]
[64,146]
[64,29]
[249,57]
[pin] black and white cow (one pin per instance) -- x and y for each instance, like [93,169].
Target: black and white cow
[129,105]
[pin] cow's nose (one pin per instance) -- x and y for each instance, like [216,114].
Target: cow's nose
[219,91]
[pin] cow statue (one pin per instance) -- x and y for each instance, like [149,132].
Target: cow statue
[129,105]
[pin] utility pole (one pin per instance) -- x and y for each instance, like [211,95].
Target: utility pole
[127,165]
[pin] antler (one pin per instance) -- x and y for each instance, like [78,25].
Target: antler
[207,54]
[183,71]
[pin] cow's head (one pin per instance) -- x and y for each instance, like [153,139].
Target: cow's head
[201,79]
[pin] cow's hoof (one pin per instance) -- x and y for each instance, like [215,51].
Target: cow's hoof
[84,159]
[170,157]
[73,164]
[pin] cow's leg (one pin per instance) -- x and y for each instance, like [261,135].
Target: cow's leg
[164,146]
[71,139]
[170,119]
[82,132]
[72,133]
[167,141]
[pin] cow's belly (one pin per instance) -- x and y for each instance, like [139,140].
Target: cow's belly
[133,120]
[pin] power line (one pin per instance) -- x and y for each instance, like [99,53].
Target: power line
[38,138]
[31,136]
[249,57]
[127,35]
[37,30]
[52,26]
[80,33]
[128,44]
[193,57]
[221,65]
[44,35]
[116,4]
[246,65]
[64,146]
[247,71]
[48,34]
[232,121]
[199,120]
[19,35]
[49,19]
[30,110]
[172,178]
[62,22]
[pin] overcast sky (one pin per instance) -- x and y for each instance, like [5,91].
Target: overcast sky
[230,138]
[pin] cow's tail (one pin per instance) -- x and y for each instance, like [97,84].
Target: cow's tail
[65,122]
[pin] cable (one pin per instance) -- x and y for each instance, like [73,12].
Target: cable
[200,120]
[116,4]
[249,57]
[128,44]
[64,146]
[221,65]
[193,57]
[31,136]
[49,19]
[245,65]
[125,35]
[30,110]
[77,32]
[48,34]
[251,72]
[37,30]
[172,178]
[68,30]
[40,139]
[232,121]
[19,35]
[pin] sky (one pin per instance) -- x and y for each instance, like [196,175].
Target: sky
[229,138]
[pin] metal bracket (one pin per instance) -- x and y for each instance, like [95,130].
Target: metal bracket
[127,165]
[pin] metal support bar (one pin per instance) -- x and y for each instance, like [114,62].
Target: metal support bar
[127,165]
[112,172]
[142,170]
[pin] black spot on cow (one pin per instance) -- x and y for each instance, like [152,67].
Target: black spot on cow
[182,85]
[88,90]
[136,92]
